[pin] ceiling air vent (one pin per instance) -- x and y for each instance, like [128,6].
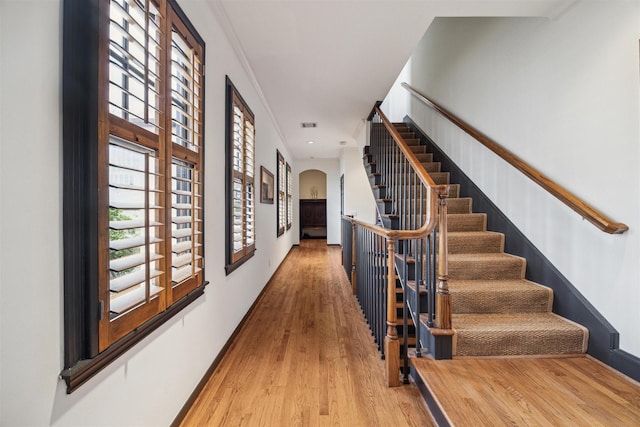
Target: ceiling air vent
[309,125]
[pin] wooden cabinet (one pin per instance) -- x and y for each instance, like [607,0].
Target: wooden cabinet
[313,218]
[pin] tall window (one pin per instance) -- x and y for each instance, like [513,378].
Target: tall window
[289,198]
[241,195]
[133,243]
[282,188]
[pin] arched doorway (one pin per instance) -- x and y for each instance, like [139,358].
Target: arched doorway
[313,204]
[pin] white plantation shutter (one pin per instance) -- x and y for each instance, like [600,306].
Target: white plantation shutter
[249,165]
[242,184]
[289,198]
[186,87]
[186,212]
[282,185]
[135,33]
[186,231]
[135,228]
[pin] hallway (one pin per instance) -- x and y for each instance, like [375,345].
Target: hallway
[305,357]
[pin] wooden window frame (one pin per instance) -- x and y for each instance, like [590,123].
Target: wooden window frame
[91,340]
[281,220]
[289,198]
[236,258]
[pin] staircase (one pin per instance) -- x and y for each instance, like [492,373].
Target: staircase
[496,311]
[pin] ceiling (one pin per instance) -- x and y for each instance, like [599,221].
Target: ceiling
[328,61]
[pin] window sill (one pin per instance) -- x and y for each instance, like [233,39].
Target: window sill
[85,369]
[230,268]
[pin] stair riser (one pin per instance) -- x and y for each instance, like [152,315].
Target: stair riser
[454,191]
[518,343]
[370,167]
[488,243]
[384,207]
[459,206]
[375,179]
[410,140]
[512,268]
[425,157]
[472,222]
[390,223]
[379,192]
[431,167]
[454,206]
[440,177]
[499,302]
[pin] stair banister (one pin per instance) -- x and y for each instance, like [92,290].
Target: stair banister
[370,239]
[591,214]
[437,196]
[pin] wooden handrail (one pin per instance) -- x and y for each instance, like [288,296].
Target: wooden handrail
[585,210]
[435,190]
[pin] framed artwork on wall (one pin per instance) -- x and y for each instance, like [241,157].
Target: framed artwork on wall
[266,186]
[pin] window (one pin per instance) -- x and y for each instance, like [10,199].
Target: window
[133,160]
[289,198]
[241,196]
[282,187]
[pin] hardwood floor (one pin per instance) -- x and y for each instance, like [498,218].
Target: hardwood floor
[531,391]
[305,357]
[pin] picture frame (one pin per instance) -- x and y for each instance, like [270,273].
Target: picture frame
[267,184]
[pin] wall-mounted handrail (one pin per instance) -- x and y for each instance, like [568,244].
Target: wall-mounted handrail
[591,214]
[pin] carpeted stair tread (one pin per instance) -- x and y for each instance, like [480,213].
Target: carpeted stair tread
[500,296]
[467,222]
[517,334]
[475,242]
[486,266]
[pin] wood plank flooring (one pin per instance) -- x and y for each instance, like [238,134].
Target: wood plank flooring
[305,357]
[530,391]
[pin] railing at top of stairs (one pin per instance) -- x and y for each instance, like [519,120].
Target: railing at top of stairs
[418,211]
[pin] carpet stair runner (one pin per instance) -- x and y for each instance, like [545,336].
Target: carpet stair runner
[496,311]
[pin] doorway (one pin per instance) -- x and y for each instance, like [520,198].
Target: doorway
[313,204]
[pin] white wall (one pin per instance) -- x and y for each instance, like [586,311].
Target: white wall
[150,383]
[310,179]
[358,197]
[563,95]
[332,168]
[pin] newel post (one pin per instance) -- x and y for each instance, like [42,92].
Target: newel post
[443,297]
[392,345]
[353,257]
